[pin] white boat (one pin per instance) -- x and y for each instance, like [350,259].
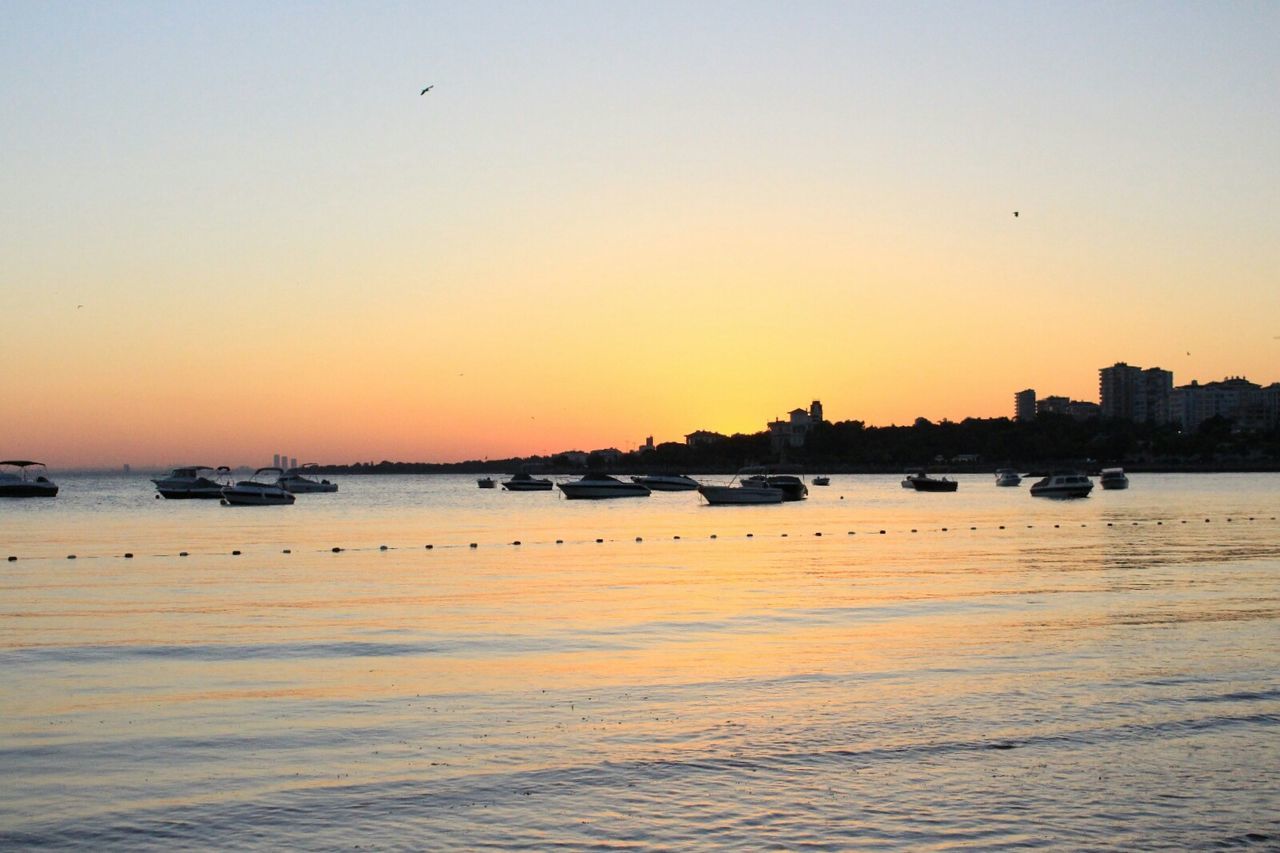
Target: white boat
[22,483]
[1063,484]
[262,489]
[597,486]
[1008,477]
[199,482]
[1113,478]
[295,481]
[522,482]
[792,487]
[743,493]
[667,482]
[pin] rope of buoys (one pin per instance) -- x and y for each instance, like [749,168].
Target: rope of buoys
[129,555]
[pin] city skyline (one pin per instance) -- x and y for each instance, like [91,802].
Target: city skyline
[237,227]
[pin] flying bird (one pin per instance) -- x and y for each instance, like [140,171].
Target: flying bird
[428,89]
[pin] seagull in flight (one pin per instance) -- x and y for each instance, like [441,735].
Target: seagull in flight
[428,89]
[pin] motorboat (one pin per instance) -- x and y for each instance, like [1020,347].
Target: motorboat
[667,482]
[486,483]
[821,480]
[1008,477]
[522,482]
[793,488]
[199,482]
[1113,478]
[597,486]
[295,481]
[925,483]
[262,489]
[908,482]
[24,483]
[1063,484]
[743,493]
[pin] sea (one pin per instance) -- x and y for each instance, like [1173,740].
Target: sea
[414,663]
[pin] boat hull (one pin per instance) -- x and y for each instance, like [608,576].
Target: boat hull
[310,488]
[239,496]
[180,493]
[922,484]
[1061,491]
[1122,484]
[739,495]
[528,487]
[665,484]
[593,492]
[28,490]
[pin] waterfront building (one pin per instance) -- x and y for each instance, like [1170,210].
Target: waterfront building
[1135,394]
[1247,404]
[1024,405]
[794,431]
[702,437]
[1052,405]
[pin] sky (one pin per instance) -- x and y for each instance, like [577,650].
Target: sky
[236,229]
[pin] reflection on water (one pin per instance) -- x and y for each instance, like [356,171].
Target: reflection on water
[1096,673]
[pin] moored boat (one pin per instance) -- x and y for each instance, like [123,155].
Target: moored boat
[743,493]
[22,484]
[486,482]
[667,482]
[598,486]
[1008,477]
[925,483]
[193,482]
[908,482]
[1113,478]
[262,489]
[1063,484]
[822,480]
[295,481]
[523,482]
[793,488]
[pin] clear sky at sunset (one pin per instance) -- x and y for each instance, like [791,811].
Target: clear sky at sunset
[608,221]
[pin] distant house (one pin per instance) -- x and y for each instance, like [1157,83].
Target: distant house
[608,455]
[575,458]
[794,431]
[702,437]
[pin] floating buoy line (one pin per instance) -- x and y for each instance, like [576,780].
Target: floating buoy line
[339,549]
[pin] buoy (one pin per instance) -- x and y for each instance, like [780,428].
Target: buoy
[850,532]
[599,541]
[819,533]
[1055,527]
[516,542]
[973,528]
[235,553]
[1108,524]
[474,545]
[287,551]
[382,547]
[157,497]
[784,536]
[881,532]
[749,535]
[944,530]
[561,541]
[713,536]
[71,556]
[675,537]
[182,553]
[913,530]
[1002,527]
[128,555]
[12,558]
[638,539]
[1159,522]
[429,547]
[337,550]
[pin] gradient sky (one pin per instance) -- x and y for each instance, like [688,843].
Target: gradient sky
[612,221]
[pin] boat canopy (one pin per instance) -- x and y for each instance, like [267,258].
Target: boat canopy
[20,463]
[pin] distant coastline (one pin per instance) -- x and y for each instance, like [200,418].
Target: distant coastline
[975,445]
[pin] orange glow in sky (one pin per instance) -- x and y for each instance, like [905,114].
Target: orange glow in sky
[602,225]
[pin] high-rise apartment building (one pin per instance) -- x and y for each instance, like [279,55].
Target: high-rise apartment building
[1024,405]
[1135,394]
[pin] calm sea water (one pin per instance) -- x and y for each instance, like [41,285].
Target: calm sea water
[990,671]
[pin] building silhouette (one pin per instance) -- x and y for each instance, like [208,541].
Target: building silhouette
[1024,405]
[794,431]
[1135,394]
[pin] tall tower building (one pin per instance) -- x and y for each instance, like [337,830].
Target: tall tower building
[1024,405]
[1135,394]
